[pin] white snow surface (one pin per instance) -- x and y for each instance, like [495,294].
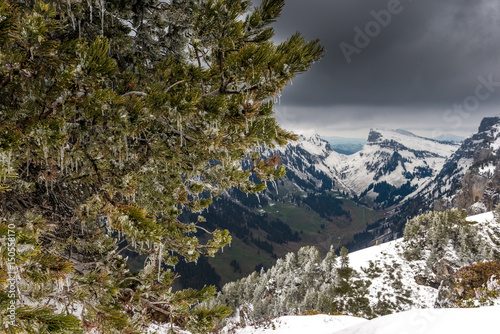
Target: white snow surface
[432,321]
[482,218]
[317,324]
[419,321]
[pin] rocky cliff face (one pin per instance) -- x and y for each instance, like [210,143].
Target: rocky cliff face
[470,179]
[305,161]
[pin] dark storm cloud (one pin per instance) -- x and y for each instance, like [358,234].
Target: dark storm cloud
[427,58]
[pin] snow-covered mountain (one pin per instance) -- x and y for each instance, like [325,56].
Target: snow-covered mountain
[392,165]
[449,137]
[470,178]
[306,163]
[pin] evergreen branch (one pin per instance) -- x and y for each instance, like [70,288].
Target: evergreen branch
[154,307]
[130,278]
[173,85]
[203,229]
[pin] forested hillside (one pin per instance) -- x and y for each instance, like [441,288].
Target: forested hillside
[438,256]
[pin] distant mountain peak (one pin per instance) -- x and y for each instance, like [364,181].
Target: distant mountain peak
[376,134]
[488,123]
[449,137]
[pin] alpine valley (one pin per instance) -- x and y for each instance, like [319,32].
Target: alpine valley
[328,199]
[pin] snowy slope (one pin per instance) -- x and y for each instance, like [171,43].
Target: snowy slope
[317,324]
[389,257]
[393,280]
[432,321]
[424,321]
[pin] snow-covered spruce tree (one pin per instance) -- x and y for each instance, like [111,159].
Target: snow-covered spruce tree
[116,116]
[439,232]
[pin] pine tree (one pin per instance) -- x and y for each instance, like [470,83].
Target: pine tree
[115,117]
[344,258]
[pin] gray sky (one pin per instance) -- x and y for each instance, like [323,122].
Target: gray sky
[429,66]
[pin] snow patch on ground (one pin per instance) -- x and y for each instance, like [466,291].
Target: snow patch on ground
[432,321]
[317,324]
[487,170]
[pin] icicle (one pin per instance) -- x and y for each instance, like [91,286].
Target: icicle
[182,136]
[258,198]
[159,260]
[28,163]
[90,8]
[126,146]
[9,157]
[70,14]
[276,132]
[102,17]
[45,152]
[179,126]
[61,163]
[246,125]
[273,182]
[80,29]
